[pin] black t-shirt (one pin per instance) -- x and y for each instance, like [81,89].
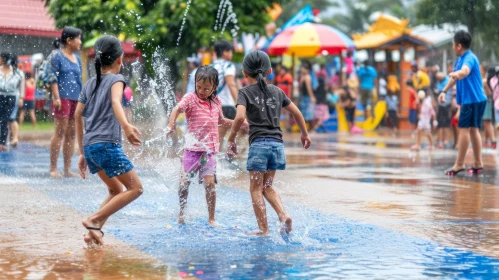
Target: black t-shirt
[263,112]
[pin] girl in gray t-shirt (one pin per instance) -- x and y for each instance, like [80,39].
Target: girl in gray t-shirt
[100,111]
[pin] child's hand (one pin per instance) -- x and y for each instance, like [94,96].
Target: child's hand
[170,130]
[82,167]
[132,134]
[306,141]
[231,149]
[441,97]
[435,124]
[245,126]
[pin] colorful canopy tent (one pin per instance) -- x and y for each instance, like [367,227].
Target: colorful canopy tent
[310,39]
[390,33]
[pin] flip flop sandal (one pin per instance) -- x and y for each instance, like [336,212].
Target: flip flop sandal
[475,171]
[451,172]
[94,228]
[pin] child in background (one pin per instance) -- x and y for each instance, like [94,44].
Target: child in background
[494,86]
[321,108]
[444,111]
[455,118]
[488,115]
[392,103]
[261,104]
[29,100]
[348,101]
[413,104]
[99,118]
[127,103]
[284,81]
[203,112]
[426,118]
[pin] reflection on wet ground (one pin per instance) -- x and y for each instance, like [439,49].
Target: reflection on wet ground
[363,208]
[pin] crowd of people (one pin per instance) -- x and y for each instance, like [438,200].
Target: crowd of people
[218,101]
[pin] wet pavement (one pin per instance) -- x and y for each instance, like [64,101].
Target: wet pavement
[363,207]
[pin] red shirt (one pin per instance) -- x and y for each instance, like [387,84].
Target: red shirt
[283,83]
[412,99]
[30,93]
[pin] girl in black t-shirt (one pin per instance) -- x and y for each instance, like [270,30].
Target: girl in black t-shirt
[261,104]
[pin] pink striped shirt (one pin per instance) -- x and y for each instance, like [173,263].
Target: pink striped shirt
[202,123]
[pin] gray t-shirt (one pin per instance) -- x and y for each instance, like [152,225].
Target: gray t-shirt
[101,124]
[263,113]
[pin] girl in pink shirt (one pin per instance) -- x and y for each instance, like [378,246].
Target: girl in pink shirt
[426,118]
[203,111]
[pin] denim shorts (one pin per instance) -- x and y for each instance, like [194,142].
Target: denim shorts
[108,157]
[266,154]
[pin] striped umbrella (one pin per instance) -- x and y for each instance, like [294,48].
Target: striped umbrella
[309,39]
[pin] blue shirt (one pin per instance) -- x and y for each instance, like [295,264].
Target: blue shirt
[448,95]
[392,102]
[470,89]
[68,76]
[367,75]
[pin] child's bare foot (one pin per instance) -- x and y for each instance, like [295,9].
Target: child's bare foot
[70,174]
[14,143]
[259,232]
[3,148]
[212,223]
[181,220]
[54,174]
[95,232]
[87,238]
[415,148]
[287,224]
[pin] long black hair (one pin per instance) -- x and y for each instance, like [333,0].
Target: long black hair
[257,64]
[207,73]
[69,32]
[107,50]
[11,59]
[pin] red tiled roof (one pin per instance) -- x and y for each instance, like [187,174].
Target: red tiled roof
[26,17]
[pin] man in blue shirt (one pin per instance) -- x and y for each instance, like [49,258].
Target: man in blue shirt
[367,75]
[471,97]
[444,110]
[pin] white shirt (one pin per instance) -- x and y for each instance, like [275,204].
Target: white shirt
[382,87]
[225,68]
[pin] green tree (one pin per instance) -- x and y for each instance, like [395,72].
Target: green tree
[153,23]
[480,16]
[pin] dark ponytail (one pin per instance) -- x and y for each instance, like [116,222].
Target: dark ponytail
[107,50]
[257,64]
[57,43]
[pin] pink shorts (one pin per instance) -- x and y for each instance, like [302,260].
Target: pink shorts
[67,110]
[200,163]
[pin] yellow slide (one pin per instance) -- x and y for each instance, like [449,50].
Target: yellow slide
[368,125]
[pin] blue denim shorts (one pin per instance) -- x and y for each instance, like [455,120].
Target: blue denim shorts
[266,154]
[108,157]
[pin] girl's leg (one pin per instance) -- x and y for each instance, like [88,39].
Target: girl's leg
[183,193]
[134,189]
[211,197]
[456,135]
[61,125]
[68,148]
[489,130]
[256,190]
[462,145]
[33,117]
[14,133]
[275,201]
[114,187]
[476,142]
[430,139]
[22,112]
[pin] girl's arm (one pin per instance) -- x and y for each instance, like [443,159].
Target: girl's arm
[131,132]
[236,125]
[305,139]
[82,165]
[172,121]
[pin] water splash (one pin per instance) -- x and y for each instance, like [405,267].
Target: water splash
[183,21]
[226,8]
